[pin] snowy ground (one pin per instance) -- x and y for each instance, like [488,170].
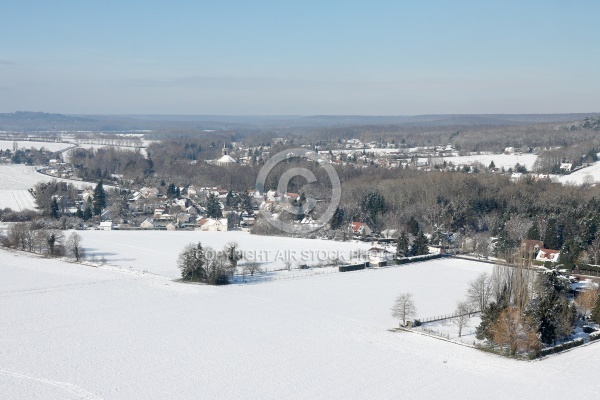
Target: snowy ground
[15,179]
[500,160]
[71,332]
[17,200]
[446,328]
[585,175]
[156,251]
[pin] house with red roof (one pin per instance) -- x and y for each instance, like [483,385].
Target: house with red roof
[360,229]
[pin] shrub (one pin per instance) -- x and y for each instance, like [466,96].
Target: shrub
[589,329]
[561,347]
[594,336]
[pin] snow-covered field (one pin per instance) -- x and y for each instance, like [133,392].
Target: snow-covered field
[585,175]
[500,160]
[22,177]
[15,179]
[16,200]
[51,146]
[156,251]
[69,331]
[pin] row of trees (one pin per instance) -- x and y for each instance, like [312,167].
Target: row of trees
[419,245]
[50,242]
[95,164]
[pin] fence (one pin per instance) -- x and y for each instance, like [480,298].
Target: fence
[445,316]
[587,272]
[434,332]
[241,279]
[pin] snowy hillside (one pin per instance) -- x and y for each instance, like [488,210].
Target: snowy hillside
[15,179]
[505,161]
[589,174]
[74,332]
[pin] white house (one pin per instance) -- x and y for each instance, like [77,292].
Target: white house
[213,225]
[378,255]
[149,192]
[106,226]
[516,176]
[566,167]
[87,194]
[147,224]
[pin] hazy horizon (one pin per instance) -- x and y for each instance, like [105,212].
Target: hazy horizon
[269,58]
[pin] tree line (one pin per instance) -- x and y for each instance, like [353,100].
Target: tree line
[34,237]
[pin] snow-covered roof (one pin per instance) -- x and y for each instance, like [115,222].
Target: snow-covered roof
[226,159]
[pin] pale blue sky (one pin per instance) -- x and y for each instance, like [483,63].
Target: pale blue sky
[300,57]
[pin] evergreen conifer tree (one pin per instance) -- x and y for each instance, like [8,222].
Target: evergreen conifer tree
[337,219]
[87,214]
[420,245]
[54,209]
[99,202]
[213,207]
[533,233]
[402,245]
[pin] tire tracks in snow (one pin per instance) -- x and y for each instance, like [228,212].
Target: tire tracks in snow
[66,386]
[25,292]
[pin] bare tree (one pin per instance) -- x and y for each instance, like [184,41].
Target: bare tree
[233,254]
[586,301]
[16,236]
[502,282]
[522,286]
[252,267]
[594,250]
[462,316]
[482,244]
[404,307]
[29,237]
[54,239]
[517,227]
[288,263]
[74,246]
[515,331]
[480,291]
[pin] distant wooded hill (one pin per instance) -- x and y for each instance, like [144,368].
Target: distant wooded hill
[38,121]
